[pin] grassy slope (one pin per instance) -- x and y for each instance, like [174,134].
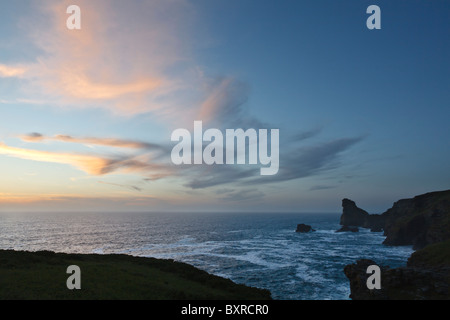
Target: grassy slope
[435,255]
[42,275]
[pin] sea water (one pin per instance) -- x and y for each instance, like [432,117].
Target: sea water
[259,250]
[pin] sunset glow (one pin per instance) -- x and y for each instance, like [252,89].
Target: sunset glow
[86,115]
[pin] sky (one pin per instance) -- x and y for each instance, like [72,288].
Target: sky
[86,116]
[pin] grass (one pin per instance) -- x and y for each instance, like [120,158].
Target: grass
[42,276]
[435,255]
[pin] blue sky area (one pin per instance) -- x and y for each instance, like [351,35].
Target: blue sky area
[86,115]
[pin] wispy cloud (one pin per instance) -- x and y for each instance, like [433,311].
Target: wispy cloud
[321,187]
[93,164]
[243,195]
[108,142]
[70,201]
[134,188]
[304,135]
[205,177]
[90,164]
[123,61]
[11,71]
[295,163]
[225,105]
[118,61]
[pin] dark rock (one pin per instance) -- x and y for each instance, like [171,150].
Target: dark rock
[357,217]
[352,215]
[348,229]
[375,222]
[303,228]
[419,221]
[357,275]
[424,222]
[406,283]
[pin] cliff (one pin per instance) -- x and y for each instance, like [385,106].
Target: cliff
[419,221]
[352,216]
[426,277]
[424,222]
[42,275]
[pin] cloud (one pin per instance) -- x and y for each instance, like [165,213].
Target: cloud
[92,164]
[225,100]
[309,161]
[80,202]
[225,105]
[134,188]
[121,60]
[321,187]
[129,60]
[82,87]
[243,195]
[301,136]
[107,142]
[32,137]
[11,71]
[205,177]
[295,163]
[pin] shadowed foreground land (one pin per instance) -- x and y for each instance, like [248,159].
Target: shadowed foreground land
[426,277]
[42,275]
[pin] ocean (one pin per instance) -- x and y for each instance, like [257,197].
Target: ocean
[259,250]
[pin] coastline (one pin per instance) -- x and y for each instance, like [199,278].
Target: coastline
[424,223]
[258,250]
[42,276]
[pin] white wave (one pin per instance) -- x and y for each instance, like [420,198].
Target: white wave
[308,274]
[98,251]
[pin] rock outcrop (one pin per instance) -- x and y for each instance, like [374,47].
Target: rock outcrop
[426,277]
[348,229]
[424,222]
[419,221]
[304,228]
[352,216]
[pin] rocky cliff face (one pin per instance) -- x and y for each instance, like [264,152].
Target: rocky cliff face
[419,221]
[352,216]
[424,222]
[426,277]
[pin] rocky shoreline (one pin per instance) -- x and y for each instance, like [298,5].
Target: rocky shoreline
[424,223]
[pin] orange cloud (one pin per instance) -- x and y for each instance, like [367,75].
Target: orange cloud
[79,85]
[216,100]
[225,103]
[73,202]
[117,61]
[107,142]
[11,71]
[127,59]
[93,165]
[90,164]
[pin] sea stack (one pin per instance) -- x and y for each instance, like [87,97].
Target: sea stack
[304,228]
[352,215]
